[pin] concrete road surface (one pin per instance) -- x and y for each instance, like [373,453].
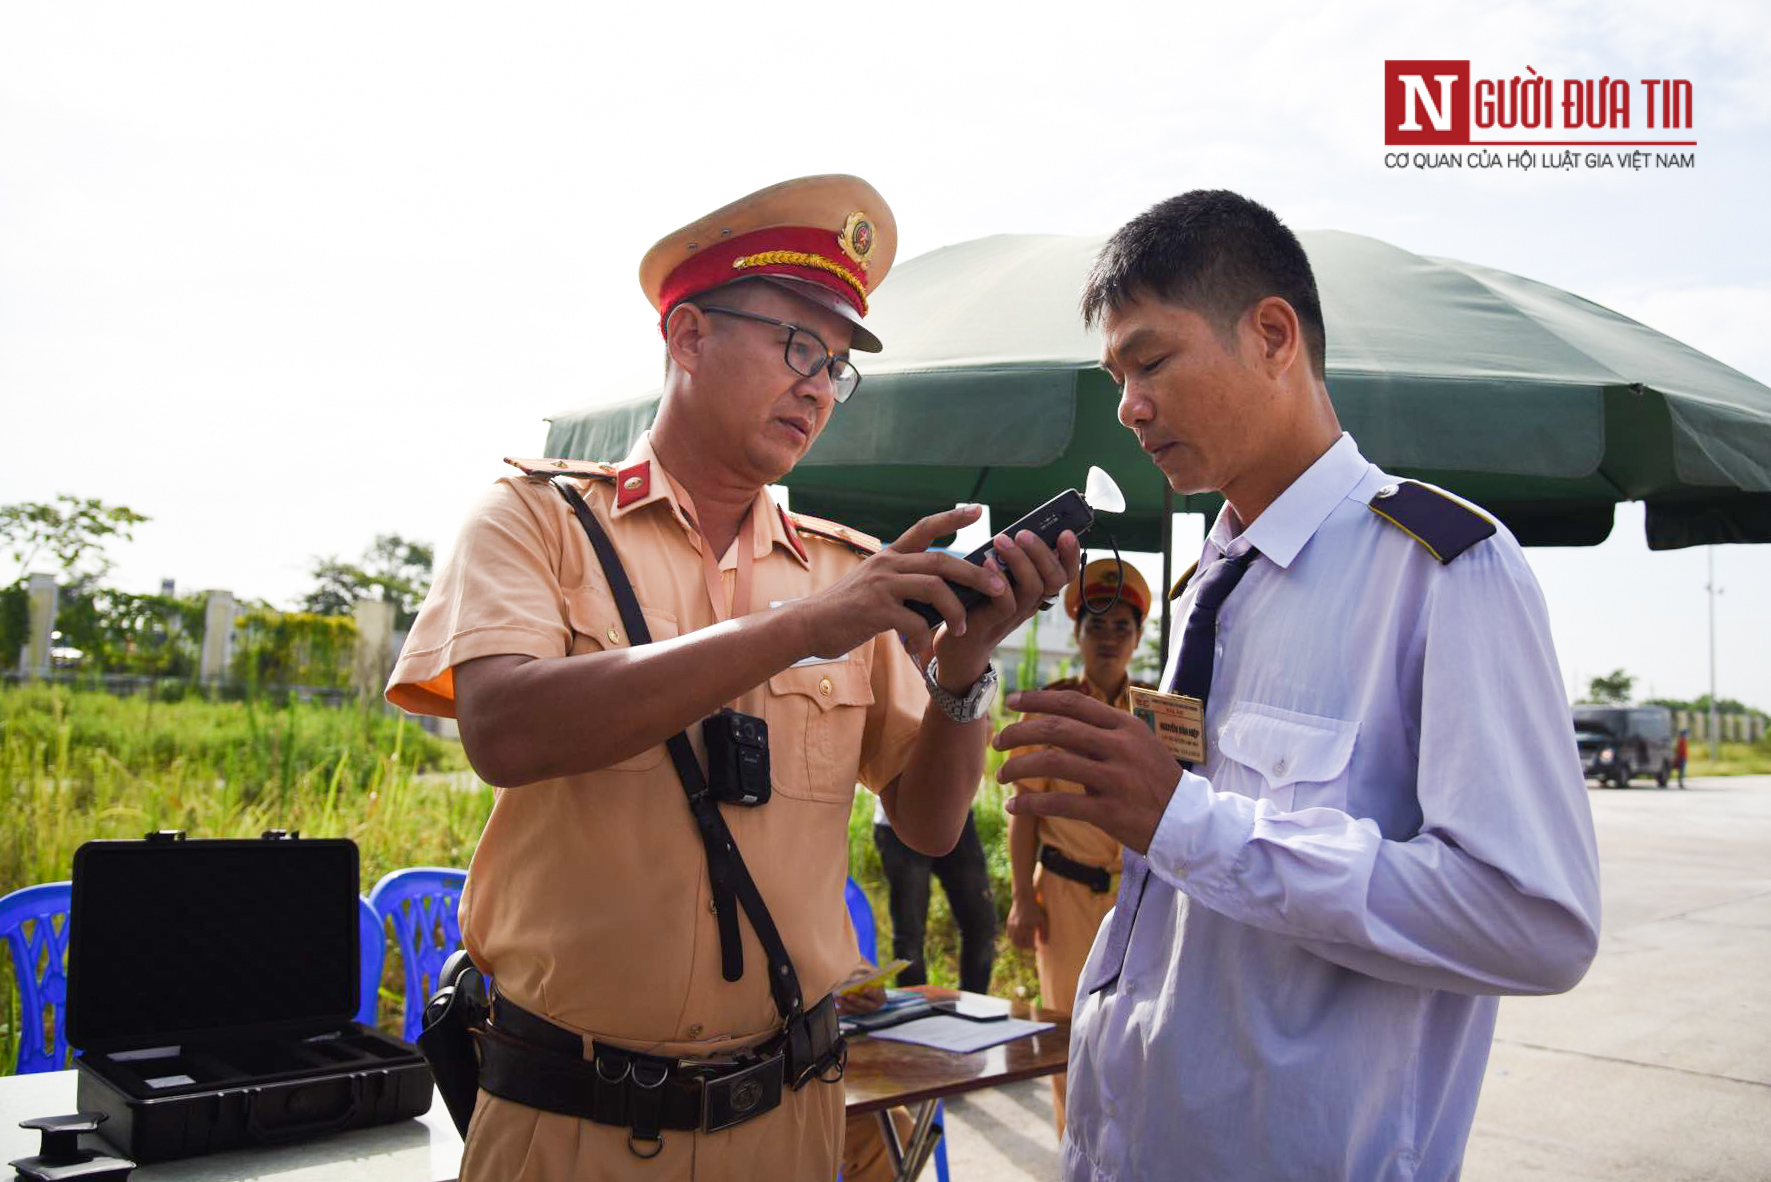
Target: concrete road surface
[1656,1068]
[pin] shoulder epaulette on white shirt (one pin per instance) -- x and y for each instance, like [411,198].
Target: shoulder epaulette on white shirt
[1444,525]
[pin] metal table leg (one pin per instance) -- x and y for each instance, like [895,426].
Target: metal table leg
[915,1155]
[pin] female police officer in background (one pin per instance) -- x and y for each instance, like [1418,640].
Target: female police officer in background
[1060,902]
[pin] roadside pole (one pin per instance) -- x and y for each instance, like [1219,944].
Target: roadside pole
[1715,731]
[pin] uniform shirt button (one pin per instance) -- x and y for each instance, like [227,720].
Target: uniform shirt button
[614,636]
[694,1031]
[824,687]
[1279,768]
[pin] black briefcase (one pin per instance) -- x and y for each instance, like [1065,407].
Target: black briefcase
[212,987]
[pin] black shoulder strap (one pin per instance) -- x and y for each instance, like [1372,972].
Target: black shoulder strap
[729,878]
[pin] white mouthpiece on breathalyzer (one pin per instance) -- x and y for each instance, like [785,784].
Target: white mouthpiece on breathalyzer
[1102,495]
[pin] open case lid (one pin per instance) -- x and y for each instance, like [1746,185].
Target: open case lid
[176,941]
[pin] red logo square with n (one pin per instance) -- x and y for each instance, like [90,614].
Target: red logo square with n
[1426,102]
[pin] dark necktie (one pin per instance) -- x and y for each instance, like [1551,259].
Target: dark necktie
[1192,678]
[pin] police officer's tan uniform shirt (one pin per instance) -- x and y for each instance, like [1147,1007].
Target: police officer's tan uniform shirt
[1080,841]
[1073,912]
[588,895]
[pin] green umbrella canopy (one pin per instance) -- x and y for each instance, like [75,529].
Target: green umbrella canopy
[1541,406]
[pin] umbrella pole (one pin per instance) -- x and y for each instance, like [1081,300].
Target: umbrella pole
[1168,547]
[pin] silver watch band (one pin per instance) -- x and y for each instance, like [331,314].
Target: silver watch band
[975,704]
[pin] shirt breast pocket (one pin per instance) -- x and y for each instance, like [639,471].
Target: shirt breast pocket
[1300,760]
[596,625]
[817,722]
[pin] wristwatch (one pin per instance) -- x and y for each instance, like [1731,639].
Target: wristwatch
[975,704]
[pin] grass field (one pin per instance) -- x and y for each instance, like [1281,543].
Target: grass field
[78,765]
[1737,759]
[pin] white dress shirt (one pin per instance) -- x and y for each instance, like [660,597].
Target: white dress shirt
[1391,830]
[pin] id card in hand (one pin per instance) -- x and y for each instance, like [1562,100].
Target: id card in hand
[1179,721]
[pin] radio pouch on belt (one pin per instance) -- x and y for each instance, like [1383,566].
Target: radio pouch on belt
[818,1045]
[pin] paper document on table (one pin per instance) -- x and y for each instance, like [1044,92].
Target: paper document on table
[947,1033]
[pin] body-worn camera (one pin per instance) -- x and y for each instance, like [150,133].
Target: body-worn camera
[737,758]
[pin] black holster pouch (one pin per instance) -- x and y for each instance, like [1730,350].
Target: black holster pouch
[453,1018]
[814,1046]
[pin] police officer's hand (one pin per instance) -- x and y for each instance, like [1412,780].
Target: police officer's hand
[871,598]
[1127,772]
[1040,573]
[1026,922]
[862,1001]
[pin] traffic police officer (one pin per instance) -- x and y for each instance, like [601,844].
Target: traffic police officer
[1065,871]
[655,1018]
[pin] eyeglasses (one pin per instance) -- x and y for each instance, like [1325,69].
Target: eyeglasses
[806,353]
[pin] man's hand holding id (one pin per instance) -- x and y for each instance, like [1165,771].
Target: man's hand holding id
[1128,773]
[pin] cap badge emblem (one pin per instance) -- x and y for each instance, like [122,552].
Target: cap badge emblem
[856,237]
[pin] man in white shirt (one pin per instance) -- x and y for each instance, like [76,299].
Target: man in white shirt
[1388,829]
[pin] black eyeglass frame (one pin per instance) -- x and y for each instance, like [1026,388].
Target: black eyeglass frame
[830,362]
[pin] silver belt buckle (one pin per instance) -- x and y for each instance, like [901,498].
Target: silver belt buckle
[729,1100]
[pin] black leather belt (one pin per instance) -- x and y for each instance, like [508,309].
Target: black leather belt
[528,1060]
[1093,877]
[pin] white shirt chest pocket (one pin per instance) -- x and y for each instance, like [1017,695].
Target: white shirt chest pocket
[1299,761]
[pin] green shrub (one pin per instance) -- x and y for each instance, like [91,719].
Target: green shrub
[292,648]
[150,635]
[15,623]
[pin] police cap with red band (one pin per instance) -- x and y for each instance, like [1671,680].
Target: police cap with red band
[828,239]
[1101,580]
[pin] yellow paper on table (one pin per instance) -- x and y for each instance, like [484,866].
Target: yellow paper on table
[862,980]
[1179,721]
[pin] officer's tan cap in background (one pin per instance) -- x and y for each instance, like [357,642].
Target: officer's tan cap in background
[829,239]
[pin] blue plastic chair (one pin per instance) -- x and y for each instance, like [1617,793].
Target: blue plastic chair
[371,954]
[867,939]
[422,902]
[40,967]
[861,915]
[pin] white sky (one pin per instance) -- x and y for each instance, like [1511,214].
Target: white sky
[285,277]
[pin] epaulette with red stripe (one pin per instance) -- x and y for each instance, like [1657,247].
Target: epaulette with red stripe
[866,545]
[584,469]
